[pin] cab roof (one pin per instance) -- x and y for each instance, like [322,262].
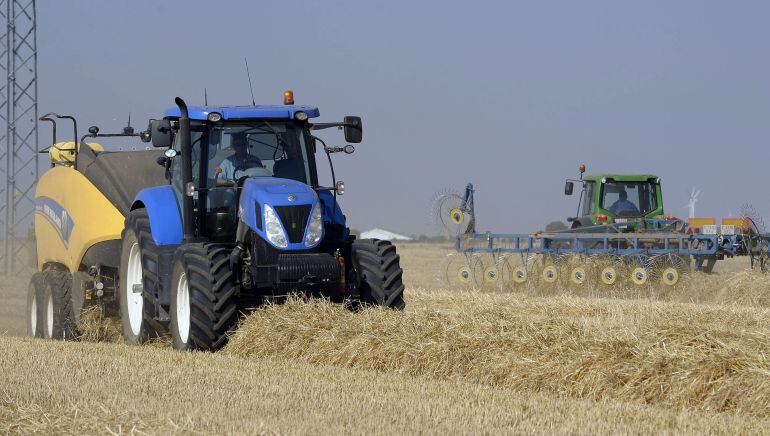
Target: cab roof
[620,177]
[245,112]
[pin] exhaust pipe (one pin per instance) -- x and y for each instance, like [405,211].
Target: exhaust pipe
[185,146]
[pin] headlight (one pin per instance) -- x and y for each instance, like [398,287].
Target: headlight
[300,116]
[316,228]
[273,229]
[215,117]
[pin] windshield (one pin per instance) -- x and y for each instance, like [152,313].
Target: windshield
[629,199]
[265,148]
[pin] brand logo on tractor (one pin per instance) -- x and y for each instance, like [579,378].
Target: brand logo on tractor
[57,216]
[292,198]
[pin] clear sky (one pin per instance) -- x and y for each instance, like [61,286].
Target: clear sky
[509,95]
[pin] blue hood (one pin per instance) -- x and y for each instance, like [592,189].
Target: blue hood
[275,192]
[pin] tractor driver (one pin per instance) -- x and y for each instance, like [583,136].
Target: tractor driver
[623,205]
[242,163]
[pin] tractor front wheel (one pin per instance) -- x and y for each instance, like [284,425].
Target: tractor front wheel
[203,288]
[138,280]
[379,274]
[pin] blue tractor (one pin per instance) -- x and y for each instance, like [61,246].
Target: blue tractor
[242,220]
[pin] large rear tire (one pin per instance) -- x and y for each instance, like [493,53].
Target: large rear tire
[35,306]
[379,273]
[138,280]
[57,312]
[203,288]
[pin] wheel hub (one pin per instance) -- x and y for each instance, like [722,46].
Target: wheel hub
[520,275]
[609,276]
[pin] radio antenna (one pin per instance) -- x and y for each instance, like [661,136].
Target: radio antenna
[248,74]
[205,97]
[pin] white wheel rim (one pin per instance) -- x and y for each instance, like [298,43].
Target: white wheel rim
[134,300]
[33,315]
[183,308]
[49,316]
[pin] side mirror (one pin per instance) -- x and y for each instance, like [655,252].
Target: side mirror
[161,134]
[353,129]
[94,130]
[568,188]
[349,149]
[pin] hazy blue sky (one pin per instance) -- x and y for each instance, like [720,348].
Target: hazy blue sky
[509,95]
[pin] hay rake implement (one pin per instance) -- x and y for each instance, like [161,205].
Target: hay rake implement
[645,254]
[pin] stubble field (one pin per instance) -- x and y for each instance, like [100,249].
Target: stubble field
[693,360]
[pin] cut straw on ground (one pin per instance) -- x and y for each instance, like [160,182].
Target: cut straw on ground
[672,355]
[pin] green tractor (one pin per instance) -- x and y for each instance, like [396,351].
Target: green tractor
[616,199]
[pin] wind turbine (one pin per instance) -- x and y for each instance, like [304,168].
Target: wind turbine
[693,199]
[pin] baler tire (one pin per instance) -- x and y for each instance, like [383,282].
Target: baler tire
[211,289]
[137,231]
[379,273]
[35,306]
[57,286]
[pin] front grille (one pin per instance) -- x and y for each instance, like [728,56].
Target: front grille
[294,219]
[318,267]
[263,253]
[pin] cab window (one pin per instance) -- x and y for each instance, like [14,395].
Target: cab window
[629,199]
[588,199]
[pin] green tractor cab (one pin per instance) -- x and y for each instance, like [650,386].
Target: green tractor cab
[616,199]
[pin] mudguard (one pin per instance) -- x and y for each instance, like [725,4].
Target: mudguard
[163,210]
[331,213]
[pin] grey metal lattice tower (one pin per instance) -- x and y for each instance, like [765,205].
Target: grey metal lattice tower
[18,136]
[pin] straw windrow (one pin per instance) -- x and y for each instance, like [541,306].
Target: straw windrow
[673,355]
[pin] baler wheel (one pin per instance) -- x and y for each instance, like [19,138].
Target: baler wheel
[138,280]
[203,288]
[35,306]
[57,313]
[379,273]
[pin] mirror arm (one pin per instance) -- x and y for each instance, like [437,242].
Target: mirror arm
[334,178]
[321,126]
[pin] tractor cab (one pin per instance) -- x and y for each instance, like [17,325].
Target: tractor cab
[616,198]
[265,152]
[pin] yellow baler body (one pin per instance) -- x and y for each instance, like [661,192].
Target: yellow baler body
[71,215]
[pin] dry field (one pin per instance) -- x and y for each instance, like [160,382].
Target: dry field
[692,361]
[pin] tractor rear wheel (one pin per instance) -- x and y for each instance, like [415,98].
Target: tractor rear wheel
[203,288]
[138,280]
[35,306]
[57,313]
[378,273]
